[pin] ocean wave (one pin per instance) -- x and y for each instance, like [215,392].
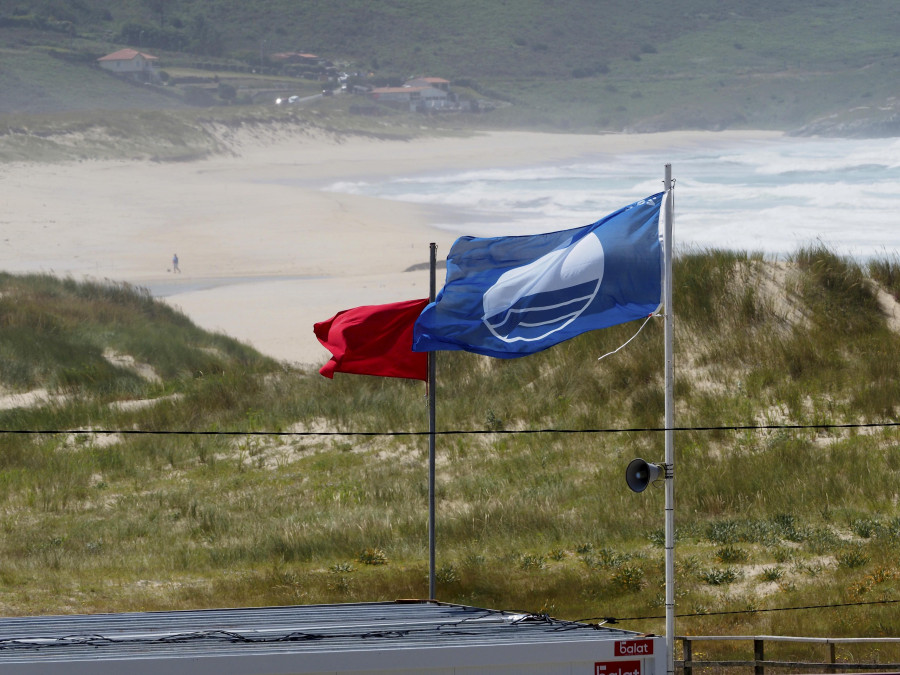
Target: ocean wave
[772,196]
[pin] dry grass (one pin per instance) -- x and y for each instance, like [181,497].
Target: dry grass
[776,518]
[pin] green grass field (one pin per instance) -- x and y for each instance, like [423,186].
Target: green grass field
[573,66]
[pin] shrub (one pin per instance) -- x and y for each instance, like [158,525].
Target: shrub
[720,577]
[607,557]
[786,524]
[341,585]
[531,562]
[373,556]
[890,531]
[557,554]
[657,537]
[783,554]
[761,532]
[688,564]
[864,527]
[820,540]
[446,575]
[629,578]
[771,574]
[732,554]
[809,569]
[882,575]
[226,92]
[722,532]
[492,422]
[852,557]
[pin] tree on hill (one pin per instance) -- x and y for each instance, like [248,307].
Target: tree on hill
[159,9]
[204,38]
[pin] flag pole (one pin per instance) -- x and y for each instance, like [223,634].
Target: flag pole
[431,435]
[670,425]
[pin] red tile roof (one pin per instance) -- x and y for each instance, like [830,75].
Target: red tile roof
[282,56]
[126,55]
[395,90]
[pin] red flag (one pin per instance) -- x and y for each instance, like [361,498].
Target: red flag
[374,340]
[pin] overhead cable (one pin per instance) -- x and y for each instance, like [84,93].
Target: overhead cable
[452,432]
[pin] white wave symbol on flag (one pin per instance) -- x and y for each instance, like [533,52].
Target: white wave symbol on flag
[529,303]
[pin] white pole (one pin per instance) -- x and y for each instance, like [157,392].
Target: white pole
[670,424]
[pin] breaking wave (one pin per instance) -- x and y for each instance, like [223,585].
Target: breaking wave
[768,196]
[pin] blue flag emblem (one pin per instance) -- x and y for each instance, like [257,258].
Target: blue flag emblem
[531,302]
[513,296]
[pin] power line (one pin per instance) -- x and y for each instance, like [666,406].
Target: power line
[457,432]
[610,619]
[452,432]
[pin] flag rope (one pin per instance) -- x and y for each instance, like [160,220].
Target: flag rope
[625,344]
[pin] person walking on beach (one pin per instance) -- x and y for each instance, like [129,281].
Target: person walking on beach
[175,267]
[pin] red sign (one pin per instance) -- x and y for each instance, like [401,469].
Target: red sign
[617,668]
[633,648]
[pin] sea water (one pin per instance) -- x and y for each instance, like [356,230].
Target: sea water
[769,196]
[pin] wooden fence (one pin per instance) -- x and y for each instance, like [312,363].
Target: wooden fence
[759,662]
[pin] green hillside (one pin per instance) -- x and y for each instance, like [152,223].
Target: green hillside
[229,502]
[147,464]
[578,64]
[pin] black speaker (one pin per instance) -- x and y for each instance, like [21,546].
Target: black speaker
[640,474]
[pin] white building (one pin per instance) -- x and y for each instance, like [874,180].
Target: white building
[436,82]
[415,97]
[130,63]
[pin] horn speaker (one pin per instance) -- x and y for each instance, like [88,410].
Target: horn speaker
[640,474]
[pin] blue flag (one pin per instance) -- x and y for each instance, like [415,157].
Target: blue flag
[514,296]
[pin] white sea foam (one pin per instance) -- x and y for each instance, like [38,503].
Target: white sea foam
[769,196]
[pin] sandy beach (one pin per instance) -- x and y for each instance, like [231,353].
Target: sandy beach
[265,249]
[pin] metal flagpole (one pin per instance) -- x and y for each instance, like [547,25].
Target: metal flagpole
[670,425]
[431,435]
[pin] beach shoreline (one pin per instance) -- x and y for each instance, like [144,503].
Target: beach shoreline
[265,249]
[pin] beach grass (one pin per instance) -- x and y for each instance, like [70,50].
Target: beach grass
[233,499]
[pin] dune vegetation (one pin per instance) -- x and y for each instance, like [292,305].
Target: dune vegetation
[148,465]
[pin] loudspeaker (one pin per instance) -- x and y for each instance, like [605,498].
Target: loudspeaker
[640,474]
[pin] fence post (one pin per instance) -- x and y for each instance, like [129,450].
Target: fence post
[832,648]
[687,649]
[758,656]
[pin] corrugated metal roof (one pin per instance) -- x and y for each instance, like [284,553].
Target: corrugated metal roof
[305,629]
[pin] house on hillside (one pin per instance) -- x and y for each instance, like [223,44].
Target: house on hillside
[132,64]
[302,64]
[436,82]
[285,58]
[416,98]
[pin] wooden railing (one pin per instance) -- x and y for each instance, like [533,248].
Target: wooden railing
[759,662]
